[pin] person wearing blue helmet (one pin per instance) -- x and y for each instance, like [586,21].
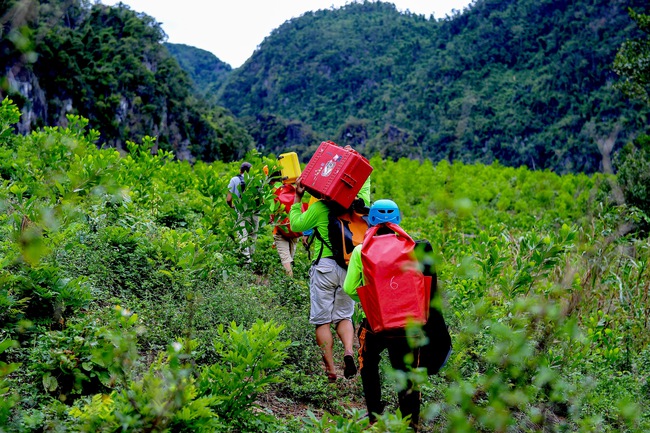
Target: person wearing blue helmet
[372,344]
[384,211]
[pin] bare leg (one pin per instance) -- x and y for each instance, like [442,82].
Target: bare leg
[345,331]
[287,268]
[326,342]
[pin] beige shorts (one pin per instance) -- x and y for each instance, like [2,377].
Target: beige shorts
[286,247]
[329,303]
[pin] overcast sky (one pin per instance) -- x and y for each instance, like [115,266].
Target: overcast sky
[232,29]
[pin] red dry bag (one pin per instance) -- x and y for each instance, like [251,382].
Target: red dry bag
[395,291]
[285,196]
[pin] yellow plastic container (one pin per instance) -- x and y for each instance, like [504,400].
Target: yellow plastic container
[290,167]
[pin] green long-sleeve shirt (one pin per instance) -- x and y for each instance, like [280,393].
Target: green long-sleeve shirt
[354,278]
[364,192]
[316,216]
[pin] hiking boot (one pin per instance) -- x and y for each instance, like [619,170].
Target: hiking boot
[350,370]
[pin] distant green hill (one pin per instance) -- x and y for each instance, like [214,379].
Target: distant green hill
[109,65]
[206,71]
[527,82]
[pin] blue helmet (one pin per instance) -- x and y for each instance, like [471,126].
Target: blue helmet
[384,211]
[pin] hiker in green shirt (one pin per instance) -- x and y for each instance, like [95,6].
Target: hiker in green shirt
[364,193]
[329,304]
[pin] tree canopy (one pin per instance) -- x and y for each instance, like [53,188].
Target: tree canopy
[206,71]
[525,82]
[109,65]
[632,61]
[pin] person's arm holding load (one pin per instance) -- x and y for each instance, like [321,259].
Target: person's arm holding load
[354,277]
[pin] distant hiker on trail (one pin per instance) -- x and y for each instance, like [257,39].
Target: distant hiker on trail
[236,183]
[249,223]
[329,303]
[384,275]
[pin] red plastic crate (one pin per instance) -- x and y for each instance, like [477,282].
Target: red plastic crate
[335,173]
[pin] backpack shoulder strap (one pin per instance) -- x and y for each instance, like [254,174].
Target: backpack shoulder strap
[242,182]
[335,211]
[322,242]
[308,246]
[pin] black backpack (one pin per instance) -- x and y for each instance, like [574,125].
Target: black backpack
[242,185]
[258,197]
[346,228]
[435,353]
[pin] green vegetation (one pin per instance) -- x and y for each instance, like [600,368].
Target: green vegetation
[204,68]
[108,64]
[634,176]
[632,63]
[124,304]
[524,82]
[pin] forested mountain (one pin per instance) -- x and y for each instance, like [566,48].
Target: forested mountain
[109,65]
[204,68]
[527,82]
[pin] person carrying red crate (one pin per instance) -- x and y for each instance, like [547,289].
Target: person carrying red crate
[329,304]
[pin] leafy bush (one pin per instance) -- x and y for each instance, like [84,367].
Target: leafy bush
[8,396]
[354,421]
[163,397]
[633,164]
[247,365]
[173,394]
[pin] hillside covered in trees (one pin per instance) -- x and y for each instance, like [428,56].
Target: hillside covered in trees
[109,65]
[205,70]
[525,82]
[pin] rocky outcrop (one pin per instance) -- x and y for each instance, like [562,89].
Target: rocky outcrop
[23,84]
